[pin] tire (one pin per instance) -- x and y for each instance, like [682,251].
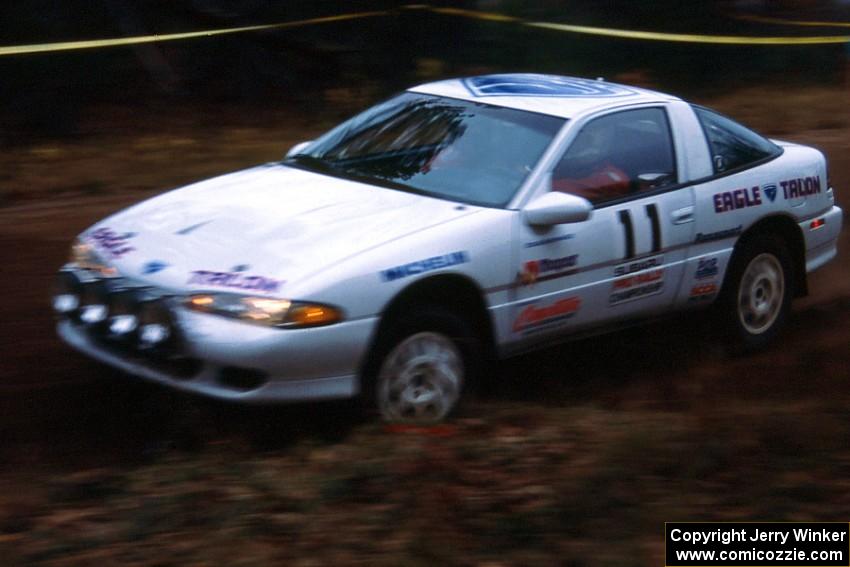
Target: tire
[757,293]
[421,366]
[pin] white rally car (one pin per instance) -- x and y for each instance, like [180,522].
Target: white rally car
[459,220]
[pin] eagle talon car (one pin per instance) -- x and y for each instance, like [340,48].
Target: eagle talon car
[461,218]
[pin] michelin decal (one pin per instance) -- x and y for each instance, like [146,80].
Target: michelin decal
[426,265]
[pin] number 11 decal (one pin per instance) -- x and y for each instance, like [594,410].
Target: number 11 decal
[652,213]
[629,230]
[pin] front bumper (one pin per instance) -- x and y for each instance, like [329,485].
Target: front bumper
[231,360]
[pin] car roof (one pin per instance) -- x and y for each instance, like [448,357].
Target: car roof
[546,94]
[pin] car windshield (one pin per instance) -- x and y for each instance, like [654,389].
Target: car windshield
[443,147]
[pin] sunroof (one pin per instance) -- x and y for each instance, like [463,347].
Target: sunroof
[541,85]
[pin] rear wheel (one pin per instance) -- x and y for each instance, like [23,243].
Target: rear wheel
[758,292]
[421,367]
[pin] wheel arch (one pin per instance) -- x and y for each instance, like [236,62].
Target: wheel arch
[786,228]
[454,291]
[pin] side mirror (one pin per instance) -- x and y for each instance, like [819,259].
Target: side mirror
[557,208]
[297,149]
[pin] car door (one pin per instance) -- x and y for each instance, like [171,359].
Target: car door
[627,259]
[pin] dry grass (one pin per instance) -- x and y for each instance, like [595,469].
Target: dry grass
[582,486]
[156,149]
[781,111]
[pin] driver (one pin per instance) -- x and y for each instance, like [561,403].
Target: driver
[586,171]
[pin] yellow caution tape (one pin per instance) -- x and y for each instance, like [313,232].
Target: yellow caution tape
[474,14]
[95,43]
[692,38]
[634,34]
[645,35]
[779,21]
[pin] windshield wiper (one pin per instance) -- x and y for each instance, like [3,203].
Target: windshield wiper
[320,165]
[309,161]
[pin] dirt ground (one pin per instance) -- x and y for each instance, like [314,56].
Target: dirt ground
[577,457]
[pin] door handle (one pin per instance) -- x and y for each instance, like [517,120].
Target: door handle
[683,215]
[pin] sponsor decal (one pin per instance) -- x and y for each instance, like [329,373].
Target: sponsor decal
[536,317]
[706,268]
[426,265]
[153,267]
[234,280]
[541,85]
[549,240]
[769,191]
[532,269]
[737,199]
[719,235]
[638,266]
[636,286]
[702,291]
[115,245]
[801,187]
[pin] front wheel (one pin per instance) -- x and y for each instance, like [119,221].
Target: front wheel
[758,293]
[421,367]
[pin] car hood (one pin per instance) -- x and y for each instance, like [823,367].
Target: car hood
[260,229]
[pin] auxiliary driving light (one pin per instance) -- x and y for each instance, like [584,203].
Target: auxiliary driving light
[92,314]
[153,334]
[122,313]
[93,303]
[66,293]
[123,324]
[155,324]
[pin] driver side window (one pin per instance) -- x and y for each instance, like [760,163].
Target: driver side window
[618,155]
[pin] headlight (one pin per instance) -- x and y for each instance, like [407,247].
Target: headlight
[84,256]
[264,310]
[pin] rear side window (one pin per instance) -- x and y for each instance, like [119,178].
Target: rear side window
[732,146]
